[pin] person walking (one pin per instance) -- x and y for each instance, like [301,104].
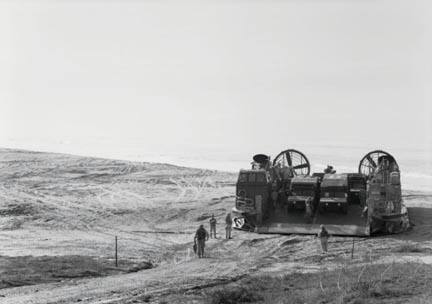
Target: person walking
[213,226]
[324,236]
[201,236]
[228,222]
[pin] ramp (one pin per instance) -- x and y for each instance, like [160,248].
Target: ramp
[286,228]
[336,223]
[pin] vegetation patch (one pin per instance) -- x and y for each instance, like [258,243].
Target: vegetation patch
[230,295]
[31,270]
[371,283]
[17,210]
[411,248]
[203,217]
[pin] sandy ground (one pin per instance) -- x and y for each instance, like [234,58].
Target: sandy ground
[59,215]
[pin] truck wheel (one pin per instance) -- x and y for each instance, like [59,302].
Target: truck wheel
[390,227]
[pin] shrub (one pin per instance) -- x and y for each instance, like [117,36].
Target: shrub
[408,247]
[230,295]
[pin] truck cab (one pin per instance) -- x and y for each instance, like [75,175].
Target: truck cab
[334,193]
[302,190]
[357,189]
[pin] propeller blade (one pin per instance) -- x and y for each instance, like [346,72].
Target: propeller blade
[301,166]
[371,161]
[288,157]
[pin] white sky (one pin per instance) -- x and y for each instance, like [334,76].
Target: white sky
[217,74]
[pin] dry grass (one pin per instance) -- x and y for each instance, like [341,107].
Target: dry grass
[411,248]
[371,283]
[233,296]
[30,270]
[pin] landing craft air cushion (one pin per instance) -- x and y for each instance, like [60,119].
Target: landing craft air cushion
[282,197]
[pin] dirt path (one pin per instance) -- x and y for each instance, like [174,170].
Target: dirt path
[188,272]
[227,261]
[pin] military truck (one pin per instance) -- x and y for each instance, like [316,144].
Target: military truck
[304,196]
[334,193]
[303,189]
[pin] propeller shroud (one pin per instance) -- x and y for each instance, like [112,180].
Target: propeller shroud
[295,159]
[370,161]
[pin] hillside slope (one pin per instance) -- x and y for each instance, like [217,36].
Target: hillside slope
[59,215]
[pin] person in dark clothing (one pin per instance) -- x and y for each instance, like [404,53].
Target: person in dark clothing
[324,236]
[201,236]
[213,226]
[308,210]
[228,222]
[329,170]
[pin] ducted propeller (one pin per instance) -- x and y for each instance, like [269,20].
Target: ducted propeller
[370,161]
[294,159]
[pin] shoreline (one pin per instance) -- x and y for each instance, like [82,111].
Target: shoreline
[405,191]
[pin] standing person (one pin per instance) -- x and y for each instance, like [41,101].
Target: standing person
[228,222]
[213,226]
[201,236]
[274,196]
[308,210]
[324,236]
[329,170]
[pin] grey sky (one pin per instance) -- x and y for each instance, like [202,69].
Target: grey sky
[217,74]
